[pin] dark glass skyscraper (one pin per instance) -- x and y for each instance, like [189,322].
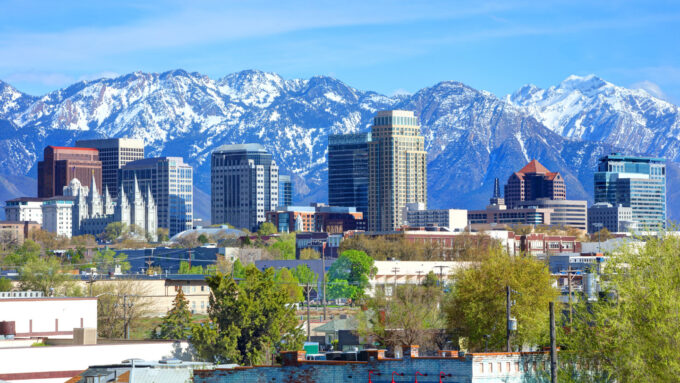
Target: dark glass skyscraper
[635,182]
[244,185]
[348,170]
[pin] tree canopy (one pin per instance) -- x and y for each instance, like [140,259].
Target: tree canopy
[248,321]
[632,332]
[349,275]
[266,228]
[476,305]
[176,323]
[46,275]
[411,315]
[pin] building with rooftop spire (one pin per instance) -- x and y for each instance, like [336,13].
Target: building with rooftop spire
[91,212]
[534,181]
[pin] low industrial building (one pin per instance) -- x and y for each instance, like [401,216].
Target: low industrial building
[35,316]
[15,232]
[372,366]
[323,243]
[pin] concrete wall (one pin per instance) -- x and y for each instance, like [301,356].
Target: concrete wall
[475,368]
[59,363]
[53,317]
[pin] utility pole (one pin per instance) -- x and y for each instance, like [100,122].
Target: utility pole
[125,318]
[323,271]
[553,345]
[395,270]
[507,316]
[309,337]
[570,294]
[441,273]
[418,273]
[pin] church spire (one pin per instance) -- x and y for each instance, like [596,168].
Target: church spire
[93,187]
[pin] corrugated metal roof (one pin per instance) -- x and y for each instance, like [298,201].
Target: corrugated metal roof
[159,375]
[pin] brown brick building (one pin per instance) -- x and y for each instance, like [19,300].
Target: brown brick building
[61,164]
[532,182]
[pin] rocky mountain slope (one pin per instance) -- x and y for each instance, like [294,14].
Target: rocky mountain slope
[472,136]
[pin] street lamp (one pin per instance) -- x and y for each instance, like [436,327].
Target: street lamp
[373,372]
[396,373]
[442,375]
[418,373]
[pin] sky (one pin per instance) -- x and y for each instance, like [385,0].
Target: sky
[386,46]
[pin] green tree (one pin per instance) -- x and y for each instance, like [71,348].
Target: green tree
[203,239]
[285,246]
[476,305]
[632,333]
[305,275]
[410,316]
[266,228]
[431,280]
[28,251]
[287,282]
[309,254]
[354,267]
[176,323]
[115,231]
[238,269]
[106,261]
[46,275]
[247,321]
[121,303]
[5,284]
[186,268]
[163,234]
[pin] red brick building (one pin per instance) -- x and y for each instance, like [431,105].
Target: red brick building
[61,164]
[532,182]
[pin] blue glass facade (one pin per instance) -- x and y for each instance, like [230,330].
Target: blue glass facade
[285,191]
[348,170]
[635,182]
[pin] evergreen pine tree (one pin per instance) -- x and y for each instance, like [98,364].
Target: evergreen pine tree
[177,322]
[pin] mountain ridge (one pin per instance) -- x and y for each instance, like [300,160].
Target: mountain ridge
[472,136]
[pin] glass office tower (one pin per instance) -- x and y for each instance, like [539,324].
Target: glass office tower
[635,182]
[244,185]
[285,191]
[348,170]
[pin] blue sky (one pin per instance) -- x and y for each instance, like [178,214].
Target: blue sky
[387,46]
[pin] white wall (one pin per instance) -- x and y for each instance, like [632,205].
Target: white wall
[41,313]
[56,359]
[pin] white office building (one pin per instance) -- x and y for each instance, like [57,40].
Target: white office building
[614,218]
[58,215]
[415,215]
[24,209]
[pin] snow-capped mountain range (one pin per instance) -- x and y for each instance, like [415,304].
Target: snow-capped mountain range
[472,136]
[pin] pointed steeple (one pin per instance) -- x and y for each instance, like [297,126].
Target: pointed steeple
[137,193]
[93,187]
[149,196]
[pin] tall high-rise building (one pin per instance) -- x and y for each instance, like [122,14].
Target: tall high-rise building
[635,182]
[244,185]
[60,165]
[171,183]
[114,153]
[397,168]
[532,182]
[285,190]
[348,170]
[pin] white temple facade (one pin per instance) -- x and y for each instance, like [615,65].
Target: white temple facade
[92,212]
